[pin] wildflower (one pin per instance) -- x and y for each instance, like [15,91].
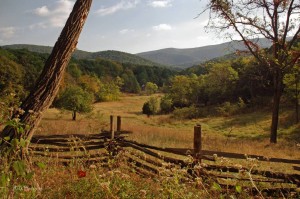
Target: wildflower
[26,189]
[143,193]
[21,111]
[238,166]
[102,176]
[92,166]
[110,173]
[117,172]
[16,120]
[125,176]
[203,165]
[105,185]
[81,173]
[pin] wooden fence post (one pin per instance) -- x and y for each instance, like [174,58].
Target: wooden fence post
[112,127]
[197,140]
[119,123]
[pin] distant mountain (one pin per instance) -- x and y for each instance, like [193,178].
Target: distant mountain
[172,57]
[123,57]
[117,56]
[188,57]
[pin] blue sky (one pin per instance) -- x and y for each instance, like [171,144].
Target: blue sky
[126,25]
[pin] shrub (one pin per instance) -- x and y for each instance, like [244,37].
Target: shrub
[150,107]
[227,108]
[186,113]
[166,104]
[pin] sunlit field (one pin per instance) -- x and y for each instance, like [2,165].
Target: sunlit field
[244,133]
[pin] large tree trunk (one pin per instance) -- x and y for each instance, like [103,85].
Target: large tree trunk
[278,89]
[297,99]
[47,85]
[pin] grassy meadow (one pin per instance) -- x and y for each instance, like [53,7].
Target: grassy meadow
[243,133]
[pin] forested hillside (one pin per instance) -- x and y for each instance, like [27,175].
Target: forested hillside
[188,57]
[112,55]
[103,79]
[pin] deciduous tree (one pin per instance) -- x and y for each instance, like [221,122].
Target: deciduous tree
[75,99]
[275,20]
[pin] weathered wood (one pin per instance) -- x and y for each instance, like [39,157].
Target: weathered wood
[269,192]
[209,154]
[149,152]
[245,156]
[140,164]
[183,152]
[227,175]
[197,140]
[119,123]
[67,148]
[143,157]
[59,156]
[289,178]
[296,168]
[112,132]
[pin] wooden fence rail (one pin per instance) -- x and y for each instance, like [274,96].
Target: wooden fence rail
[150,158]
[198,152]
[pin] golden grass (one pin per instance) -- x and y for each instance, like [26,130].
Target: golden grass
[246,133]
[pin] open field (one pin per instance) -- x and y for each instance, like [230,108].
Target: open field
[120,178]
[244,133]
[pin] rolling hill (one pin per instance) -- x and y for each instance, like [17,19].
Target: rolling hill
[117,56]
[188,57]
[171,57]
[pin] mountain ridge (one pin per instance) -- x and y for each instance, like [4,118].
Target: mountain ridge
[112,55]
[196,55]
[177,58]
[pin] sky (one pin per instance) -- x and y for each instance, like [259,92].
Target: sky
[131,26]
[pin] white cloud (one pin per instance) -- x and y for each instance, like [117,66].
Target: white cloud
[162,27]
[122,5]
[126,31]
[160,3]
[42,11]
[7,32]
[56,14]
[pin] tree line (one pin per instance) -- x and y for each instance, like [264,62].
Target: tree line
[98,80]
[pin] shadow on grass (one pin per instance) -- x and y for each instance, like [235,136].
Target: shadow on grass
[243,120]
[135,113]
[59,119]
[293,135]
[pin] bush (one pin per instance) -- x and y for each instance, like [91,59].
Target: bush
[227,108]
[166,104]
[187,113]
[150,107]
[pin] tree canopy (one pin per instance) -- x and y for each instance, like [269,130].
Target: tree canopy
[276,20]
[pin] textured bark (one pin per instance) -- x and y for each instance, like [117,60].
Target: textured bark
[297,99]
[276,105]
[47,85]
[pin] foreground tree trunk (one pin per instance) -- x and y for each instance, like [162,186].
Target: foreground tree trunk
[297,99]
[47,85]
